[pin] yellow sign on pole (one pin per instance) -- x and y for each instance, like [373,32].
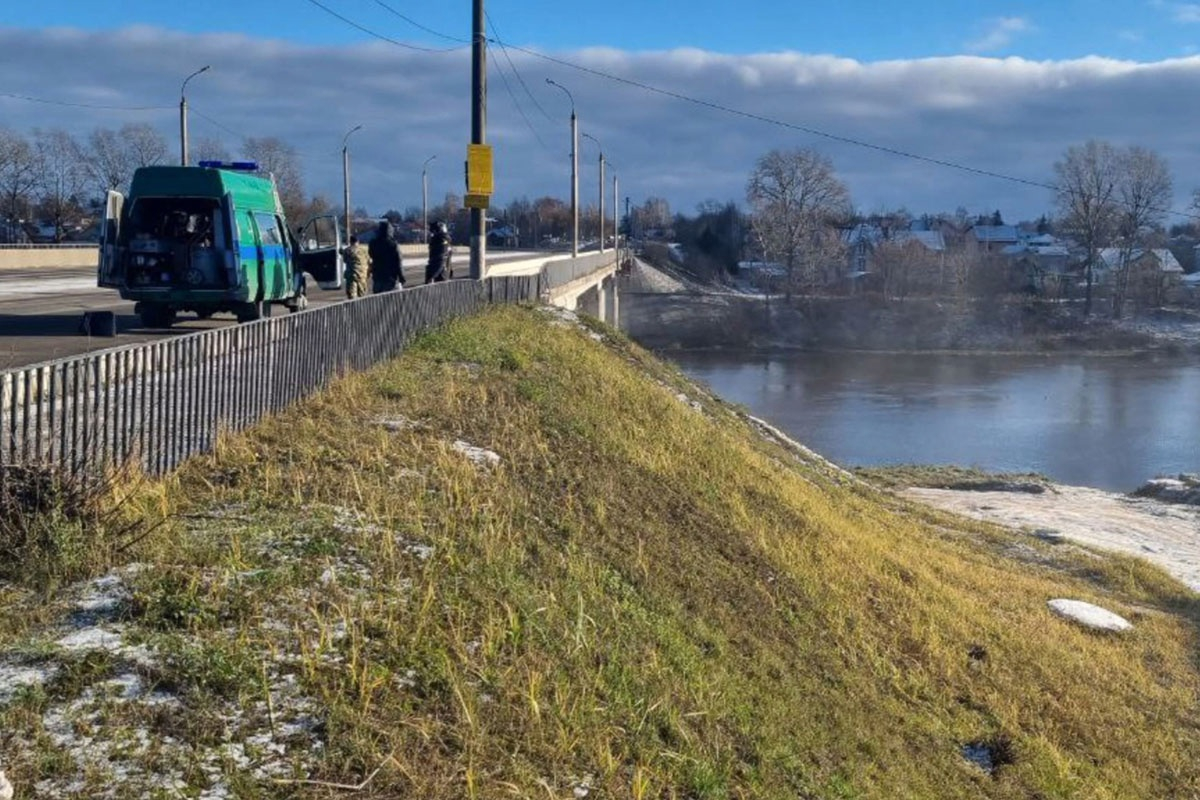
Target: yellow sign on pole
[477,201]
[479,170]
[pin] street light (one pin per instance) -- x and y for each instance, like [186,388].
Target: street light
[183,133]
[601,147]
[574,170]
[346,176]
[425,200]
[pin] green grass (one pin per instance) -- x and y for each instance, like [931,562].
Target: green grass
[642,597]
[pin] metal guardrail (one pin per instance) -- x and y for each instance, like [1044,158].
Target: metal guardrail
[564,271]
[158,403]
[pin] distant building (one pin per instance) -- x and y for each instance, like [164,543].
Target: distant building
[994,238]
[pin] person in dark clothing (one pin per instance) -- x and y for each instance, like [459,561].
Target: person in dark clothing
[387,266]
[438,268]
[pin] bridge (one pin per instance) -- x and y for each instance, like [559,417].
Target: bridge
[166,395]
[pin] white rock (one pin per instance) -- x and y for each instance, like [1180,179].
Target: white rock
[477,455]
[1089,616]
[6,787]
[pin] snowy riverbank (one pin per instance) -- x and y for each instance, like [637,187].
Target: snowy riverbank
[1165,534]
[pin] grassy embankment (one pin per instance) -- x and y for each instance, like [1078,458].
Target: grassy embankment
[642,599]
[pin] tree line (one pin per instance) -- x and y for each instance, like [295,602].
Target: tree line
[58,179]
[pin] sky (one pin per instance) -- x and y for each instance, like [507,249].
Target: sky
[1000,88]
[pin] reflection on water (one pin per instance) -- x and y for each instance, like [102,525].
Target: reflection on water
[1110,423]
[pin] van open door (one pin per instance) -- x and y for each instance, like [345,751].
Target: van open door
[232,253]
[110,274]
[321,251]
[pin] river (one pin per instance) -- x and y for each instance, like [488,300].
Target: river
[1104,422]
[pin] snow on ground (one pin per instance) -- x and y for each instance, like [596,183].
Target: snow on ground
[1164,534]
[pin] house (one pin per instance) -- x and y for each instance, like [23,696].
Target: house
[994,238]
[864,239]
[1159,260]
[1154,275]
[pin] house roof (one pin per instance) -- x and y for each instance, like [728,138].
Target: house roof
[995,234]
[865,233]
[1110,257]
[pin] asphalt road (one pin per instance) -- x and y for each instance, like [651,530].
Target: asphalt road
[41,310]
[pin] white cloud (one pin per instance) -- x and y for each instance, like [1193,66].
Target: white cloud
[1186,12]
[1010,116]
[998,34]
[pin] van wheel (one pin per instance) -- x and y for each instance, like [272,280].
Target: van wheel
[299,304]
[156,315]
[249,312]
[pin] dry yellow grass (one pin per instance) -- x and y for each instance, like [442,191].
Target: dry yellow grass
[643,599]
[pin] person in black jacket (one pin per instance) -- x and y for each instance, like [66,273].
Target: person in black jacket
[387,266]
[438,268]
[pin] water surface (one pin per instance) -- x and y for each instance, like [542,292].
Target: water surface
[1105,422]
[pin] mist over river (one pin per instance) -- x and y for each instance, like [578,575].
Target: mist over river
[1105,422]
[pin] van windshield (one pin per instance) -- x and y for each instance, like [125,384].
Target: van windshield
[187,221]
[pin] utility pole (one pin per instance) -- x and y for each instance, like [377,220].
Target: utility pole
[346,177]
[574,170]
[478,130]
[425,199]
[616,216]
[601,148]
[183,131]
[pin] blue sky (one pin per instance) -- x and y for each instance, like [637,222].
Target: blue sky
[866,30]
[997,87]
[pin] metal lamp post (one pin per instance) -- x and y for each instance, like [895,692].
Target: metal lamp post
[346,176]
[574,170]
[597,141]
[425,200]
[183,131]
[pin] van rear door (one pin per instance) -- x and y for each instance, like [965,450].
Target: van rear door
[321,251]
[110,273]
[232,252]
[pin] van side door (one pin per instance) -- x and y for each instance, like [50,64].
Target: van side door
[321,251]
[274,257]
[110,273]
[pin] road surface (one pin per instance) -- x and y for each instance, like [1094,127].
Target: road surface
[41,309]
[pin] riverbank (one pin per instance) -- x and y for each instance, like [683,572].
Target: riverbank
[664,314]
[1161,532]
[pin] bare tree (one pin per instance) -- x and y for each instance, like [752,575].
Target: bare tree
[209,148]
[18,174]
[1144,191]
[796,200]
[145,146]
[62,176]
[280,159]
[1086,192]
[106,161]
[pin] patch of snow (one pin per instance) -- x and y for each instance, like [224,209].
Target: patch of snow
[1090,616]
[421,551]
[397,424]
[86,639]
[687,401]
[477,455]
[6,787]
[14,678]
[104,595]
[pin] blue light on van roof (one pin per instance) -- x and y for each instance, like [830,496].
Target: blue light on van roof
[240,166]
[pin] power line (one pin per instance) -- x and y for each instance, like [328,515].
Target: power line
[805,129]
[520,110]
[48,102]
[516,72]
[380,36]
[425,28]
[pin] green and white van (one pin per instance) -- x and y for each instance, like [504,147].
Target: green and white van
[209,239]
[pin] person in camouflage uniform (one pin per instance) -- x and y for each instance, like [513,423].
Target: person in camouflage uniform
[358,266]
